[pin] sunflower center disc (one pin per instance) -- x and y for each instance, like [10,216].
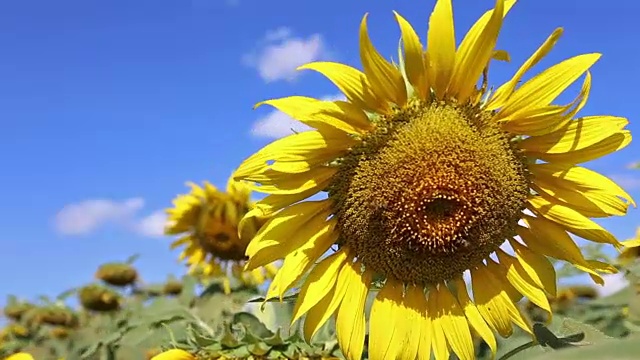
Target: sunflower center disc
[221,241]
[431,194]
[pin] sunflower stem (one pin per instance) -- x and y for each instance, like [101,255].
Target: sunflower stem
[520,348]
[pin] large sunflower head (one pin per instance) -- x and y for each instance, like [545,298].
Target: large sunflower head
[214,238]
[431,175]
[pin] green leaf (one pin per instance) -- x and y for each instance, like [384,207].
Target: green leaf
[259,349]
[131,259]
[275,339]
[252,324]
[188,293]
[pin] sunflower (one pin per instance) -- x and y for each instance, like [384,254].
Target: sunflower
[430,175]
[630,254]
[214,241]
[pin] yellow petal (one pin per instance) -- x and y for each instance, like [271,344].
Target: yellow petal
[475,52]
[286,231]
[385,339]
[499,274]
[320,281]
[548,238]
[503,93]
[596,204]
[454,324]
[441,46]
[174,354]
[473,316]
[299,261]
[20,356]
[538,267]
[385,78]
[412,311]
[320,114]
[353,83]
[547,86]
[577,135]
[492,301]
[413,58]
[319,314]
[572,220]
[309,148]
[613,143]
[350,321]
[181,241]
[424,324]
[569,176]
[522,282]
[274,183]
[438,338]
[272,203]
[547,119]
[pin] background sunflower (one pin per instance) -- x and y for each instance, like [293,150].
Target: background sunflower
[215,242]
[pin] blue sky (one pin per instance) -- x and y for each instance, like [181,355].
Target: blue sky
[108,107]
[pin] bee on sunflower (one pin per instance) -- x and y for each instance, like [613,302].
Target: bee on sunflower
[214,240]
[428,177]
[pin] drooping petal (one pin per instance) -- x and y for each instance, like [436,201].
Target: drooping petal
[412,311]
[521,281]
[286,231]
[613,143]
[275,183]
[439,343]
[309,148]
[441,46]
[385,339]
[350,320]
[503,93]
[474,317]
[595,204]
[272,203]
[475,52]
[575,177]
[413,58]
[498,273]
[492,301]
[545,87]
[571,220]
[537,266]
[320,114]
[423,323]
[299,261]
[321,280]
[548,238]
[323,310]
[454,324]
[577,135]
[353,83]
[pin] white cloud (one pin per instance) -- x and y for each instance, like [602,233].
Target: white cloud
[88,216]
[278,34]
[277,124]
[152,225]
[280,53]
[627,181]
[612,284]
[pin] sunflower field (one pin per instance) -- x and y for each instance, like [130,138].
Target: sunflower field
[421,217]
